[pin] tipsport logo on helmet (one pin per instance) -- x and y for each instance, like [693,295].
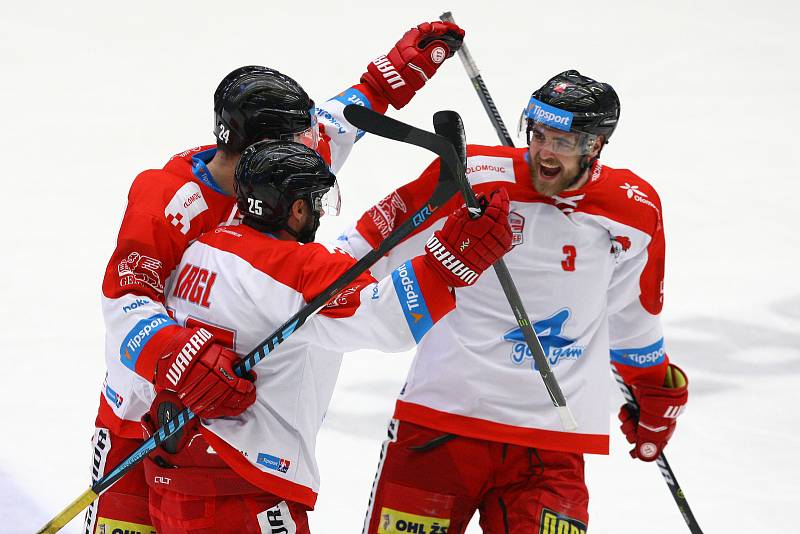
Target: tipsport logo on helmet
[549,115]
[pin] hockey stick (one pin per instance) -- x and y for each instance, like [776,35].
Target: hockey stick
[445,190]
[661,461]
[450,125]
[505,139]
[480,87]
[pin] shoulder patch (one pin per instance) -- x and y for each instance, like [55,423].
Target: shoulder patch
[482,169]
[187,203]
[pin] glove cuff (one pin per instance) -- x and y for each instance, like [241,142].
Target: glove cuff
[183,352]
[383,77]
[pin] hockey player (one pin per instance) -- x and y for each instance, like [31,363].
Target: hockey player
[588,259]
[171,207]
[235,285]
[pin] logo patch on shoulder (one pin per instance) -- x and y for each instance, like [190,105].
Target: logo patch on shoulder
[138,269]
[384,213]
[620,244]
[555,523]
[187,203]
[482,169]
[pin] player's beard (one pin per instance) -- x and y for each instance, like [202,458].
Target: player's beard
[566,178]
[307,233]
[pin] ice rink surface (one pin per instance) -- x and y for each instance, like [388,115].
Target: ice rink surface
[94,92]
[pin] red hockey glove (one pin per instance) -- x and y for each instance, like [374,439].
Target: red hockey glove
[659,407]
[398,75]
[466,247]
[201,373]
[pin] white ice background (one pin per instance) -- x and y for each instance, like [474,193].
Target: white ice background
[94,92]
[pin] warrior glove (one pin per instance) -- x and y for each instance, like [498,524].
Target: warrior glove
[201,373]
[398,75]
[465,247]
[659,408]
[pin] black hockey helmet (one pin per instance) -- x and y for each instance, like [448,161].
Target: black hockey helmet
[575,103]
[253,103]
[272,175]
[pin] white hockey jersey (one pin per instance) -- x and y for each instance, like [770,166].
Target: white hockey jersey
[167,210]
[589,267]
[241,285]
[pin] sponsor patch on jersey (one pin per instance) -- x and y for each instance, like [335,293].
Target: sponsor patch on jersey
[384,213]
[640,357]
[394,521]
[138,269]
[277,520]
[411,300]
[354,96]
[517,223]
[556,347]
[113,526]
[136,339]
[113,397]
[555,523]
[187,203]
[138,303]
[632,192]
[482,169]
[342,298]
[330,122]
[273,462]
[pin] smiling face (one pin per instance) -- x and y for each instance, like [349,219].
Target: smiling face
[555,158]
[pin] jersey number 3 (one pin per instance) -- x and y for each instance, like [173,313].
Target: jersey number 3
[569,261]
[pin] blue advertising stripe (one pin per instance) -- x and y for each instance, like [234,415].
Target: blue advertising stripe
[351,95]
[640,357]
[411,300]
[354,96]
[138,337]
[549,115]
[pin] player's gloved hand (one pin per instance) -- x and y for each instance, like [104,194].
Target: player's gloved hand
[398,75]
[659,407]
[201,373]
[466,247]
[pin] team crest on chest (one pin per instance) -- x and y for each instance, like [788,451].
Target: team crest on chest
[556,346]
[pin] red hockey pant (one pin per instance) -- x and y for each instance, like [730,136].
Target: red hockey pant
[208,500]
[431,482]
